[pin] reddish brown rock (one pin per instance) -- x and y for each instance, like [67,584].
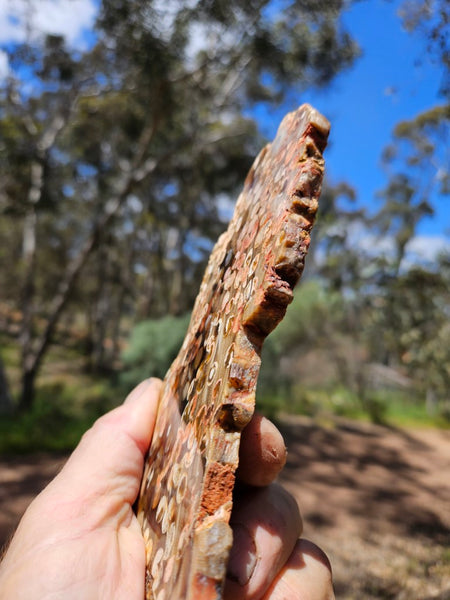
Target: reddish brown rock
[208,394]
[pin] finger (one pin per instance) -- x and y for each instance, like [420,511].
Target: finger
[266,525]
[109,459]
[307,574]
[262,452]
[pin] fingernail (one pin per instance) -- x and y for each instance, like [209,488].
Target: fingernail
[138,391]
[243,556]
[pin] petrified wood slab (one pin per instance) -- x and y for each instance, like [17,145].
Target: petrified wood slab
[208,394]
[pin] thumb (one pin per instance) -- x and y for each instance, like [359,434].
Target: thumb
[110,456]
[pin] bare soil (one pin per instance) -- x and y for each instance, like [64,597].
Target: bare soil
[376,499]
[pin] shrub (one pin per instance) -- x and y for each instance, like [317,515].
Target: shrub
[153,345]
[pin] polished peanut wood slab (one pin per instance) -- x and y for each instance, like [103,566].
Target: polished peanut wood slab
[208,394]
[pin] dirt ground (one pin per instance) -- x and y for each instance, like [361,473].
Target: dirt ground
[376,499]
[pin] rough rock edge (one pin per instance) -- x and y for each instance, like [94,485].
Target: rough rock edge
[208,565]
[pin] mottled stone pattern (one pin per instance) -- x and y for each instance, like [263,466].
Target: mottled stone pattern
[209,391]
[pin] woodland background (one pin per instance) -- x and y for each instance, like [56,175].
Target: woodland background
[120,161]
[119,165]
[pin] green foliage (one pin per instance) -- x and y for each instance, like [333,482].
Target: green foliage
[307,355]
[153,345]
[129,151]
[398,409]
[308,317]
[319,360]
[417,164]
[429,18]
[60,415]
[308,323]
[409,326]
[115,161]
[317,403]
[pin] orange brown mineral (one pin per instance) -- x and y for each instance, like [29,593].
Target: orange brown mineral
[208,395]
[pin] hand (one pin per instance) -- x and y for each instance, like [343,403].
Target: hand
[268,561]
[79,539]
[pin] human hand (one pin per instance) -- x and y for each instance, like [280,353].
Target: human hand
[268,561]
[80,538]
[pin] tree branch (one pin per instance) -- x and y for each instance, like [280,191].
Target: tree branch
[66,286]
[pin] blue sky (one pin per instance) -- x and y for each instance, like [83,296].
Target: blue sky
[364,103]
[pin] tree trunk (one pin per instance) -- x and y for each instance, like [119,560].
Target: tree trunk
[115,334]
[32,361]
[28,389]
[100,312]
[6,403]
[431,402]
[119,307]
[29,250]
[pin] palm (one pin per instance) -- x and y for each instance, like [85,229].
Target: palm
[111,560]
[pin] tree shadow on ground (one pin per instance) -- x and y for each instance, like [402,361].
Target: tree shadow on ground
[367,477]
[352,477]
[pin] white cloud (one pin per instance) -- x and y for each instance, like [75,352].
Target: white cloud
[420,250]
[359,236]
[426,248]
[197,41]
[22,19]
[209,38]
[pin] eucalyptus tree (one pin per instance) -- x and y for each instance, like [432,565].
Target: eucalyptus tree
[118,162]
[417,163]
